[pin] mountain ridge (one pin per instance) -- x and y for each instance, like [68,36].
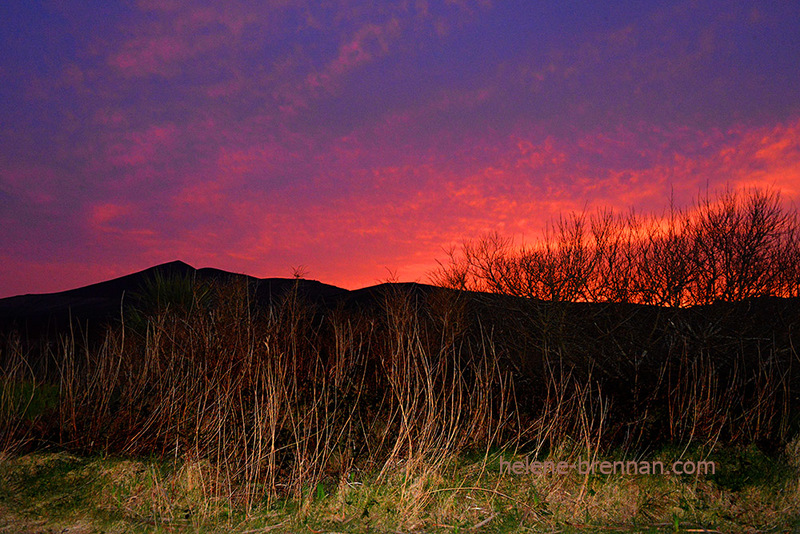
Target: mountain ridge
[105,299]
[42,313]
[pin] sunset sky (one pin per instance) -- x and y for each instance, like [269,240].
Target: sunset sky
[360,139]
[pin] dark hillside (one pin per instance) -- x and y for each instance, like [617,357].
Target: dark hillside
[101,303]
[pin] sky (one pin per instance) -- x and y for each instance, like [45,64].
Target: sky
[357,141]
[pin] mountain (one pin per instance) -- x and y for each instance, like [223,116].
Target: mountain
[104,301]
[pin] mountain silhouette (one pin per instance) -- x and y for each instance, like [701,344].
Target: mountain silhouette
[104,301]
[39,315]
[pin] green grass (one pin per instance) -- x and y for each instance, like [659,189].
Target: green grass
[53,489]
[25,400]
[751,491]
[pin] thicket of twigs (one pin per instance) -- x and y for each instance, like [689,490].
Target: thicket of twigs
[732,247]
[277,398]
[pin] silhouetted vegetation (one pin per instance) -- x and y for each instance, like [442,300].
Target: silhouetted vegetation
[730,248]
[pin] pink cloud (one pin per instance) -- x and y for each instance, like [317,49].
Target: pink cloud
[161,45]
[266,156]
[107,213]
[144,147]
[368,43]
[143,56]
[125,227]
[34,183]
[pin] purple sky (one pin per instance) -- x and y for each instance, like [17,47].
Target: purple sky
[360,139]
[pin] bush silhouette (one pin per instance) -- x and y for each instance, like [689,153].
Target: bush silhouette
[736,246]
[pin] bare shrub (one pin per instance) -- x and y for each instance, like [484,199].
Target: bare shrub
[736,246]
